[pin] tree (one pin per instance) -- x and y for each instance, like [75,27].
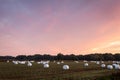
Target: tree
[60,56]
[21,57]
[117,56]
[108,56]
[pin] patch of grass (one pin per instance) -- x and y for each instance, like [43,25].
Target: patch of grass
[10,71]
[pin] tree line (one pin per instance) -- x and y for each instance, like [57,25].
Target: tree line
[60,56]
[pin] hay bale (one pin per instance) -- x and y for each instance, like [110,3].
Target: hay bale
[65,67]
[103,65]
[86,64]
[109,67]
[46,65]
[15,62]
[29,64]
[58,62]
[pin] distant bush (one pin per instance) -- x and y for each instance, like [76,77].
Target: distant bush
[60,56]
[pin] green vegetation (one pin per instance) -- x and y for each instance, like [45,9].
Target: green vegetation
[77,71]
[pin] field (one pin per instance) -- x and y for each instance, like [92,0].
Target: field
[77,71]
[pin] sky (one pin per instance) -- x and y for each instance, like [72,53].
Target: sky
[30,27]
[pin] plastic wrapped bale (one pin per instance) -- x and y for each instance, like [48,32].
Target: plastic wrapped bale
[118,62]
[15,62]
[76,61]
[65,67]
[58,62]
[85,61]
[8,61]
[102,62]
[62,61]
[22,62]
[114,64]
[38,62]
[46,65]
[45,62]
[109,67]
[97,62]
[29,64]
[117,66]
[86,64]
[103,65]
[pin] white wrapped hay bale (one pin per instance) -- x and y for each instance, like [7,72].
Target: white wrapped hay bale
[85,61]
[118,62]
[15,62]
[46,65]
[45,62]
[8,61]
[62,61]
[109,67]
[65,67]
[103,65]
[38,62]
[29,64]
[102,62]
[22,62]
[97,62]
[58,62]
[76,61]
[116,66]
[86,64]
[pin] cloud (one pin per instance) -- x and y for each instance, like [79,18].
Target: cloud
[109,47]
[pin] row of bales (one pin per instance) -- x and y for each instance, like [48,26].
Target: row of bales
[114,65]
[44,63]
[102,64]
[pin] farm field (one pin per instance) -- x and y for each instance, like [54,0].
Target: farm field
[77,71]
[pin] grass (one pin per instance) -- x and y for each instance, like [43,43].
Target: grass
[10,71]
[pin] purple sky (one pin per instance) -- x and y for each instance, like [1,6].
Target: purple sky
[53,26]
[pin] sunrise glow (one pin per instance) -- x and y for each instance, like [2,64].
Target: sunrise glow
[53,26]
